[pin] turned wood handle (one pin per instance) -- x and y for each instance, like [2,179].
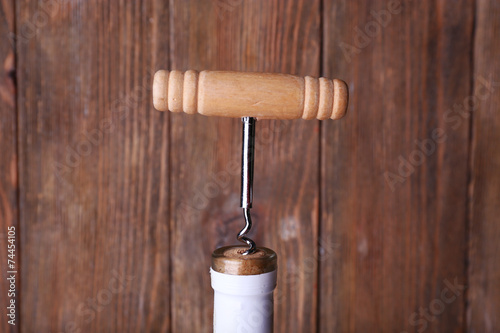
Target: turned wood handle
[259,95]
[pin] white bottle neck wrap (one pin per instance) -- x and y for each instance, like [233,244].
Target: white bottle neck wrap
[243,303]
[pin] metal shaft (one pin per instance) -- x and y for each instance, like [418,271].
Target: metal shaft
[248,149]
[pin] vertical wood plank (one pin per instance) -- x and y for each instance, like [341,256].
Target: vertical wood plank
[93,166]
[396,207]
[484,264]
[8,166]
[274,36]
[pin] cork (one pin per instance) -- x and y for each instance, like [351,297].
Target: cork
[230,260]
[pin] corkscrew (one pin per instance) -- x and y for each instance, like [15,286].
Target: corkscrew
[249,96]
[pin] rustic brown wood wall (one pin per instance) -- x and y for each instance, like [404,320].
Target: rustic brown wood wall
[375,217]
[8,149]
[402,230]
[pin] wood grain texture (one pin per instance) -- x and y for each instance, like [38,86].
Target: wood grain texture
[484,249]
[400,233]
[93,167]
[8,165]
[264,36]
[249,94]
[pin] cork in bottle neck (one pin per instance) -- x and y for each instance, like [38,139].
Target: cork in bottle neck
[230,260]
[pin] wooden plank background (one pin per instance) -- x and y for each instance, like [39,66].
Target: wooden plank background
[93,167]
[9,186]
[401,229]
[378,219]
[484,215]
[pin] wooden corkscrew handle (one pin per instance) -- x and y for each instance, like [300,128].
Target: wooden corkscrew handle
[240,94]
